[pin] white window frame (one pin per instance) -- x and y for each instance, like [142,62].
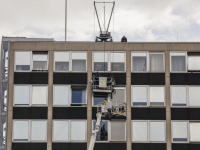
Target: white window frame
[148,131]
[110,130]
[187,96]
[70,60]
[29,131]
[69,95]
[163,53]
[147,61]
[109,60]
[30,96]
[188,128]
[186,61]
[33,70]
[70,100]
[148,95]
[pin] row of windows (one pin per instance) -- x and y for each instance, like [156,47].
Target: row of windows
[107,61]
[142,96]
[76,130]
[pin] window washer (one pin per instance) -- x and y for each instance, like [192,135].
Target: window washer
[97,78]
[124,39]
[104,101]
[103,133]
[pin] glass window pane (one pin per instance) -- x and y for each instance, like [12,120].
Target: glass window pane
[38,130]
[179,130]
[102,135]
[117,61]
[118,131]
[194,96]
[20,130]
[119,95]
[156,62]
[139,62]
[39,95]
[21,95]
[157,96]
[178,97]
[22,60]
[139,96]
[193,62]
[78,65]
[157,131]
[100,61]
[61,95]
[79,96]
[98,98]
[78,130]
[39,65]
[178,63]
[139,131]
[194,132]
[61,66]
[60,131]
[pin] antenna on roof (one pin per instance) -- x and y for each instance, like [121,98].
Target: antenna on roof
[104,36]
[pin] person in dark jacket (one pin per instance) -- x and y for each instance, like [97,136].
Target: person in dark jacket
[124,39]
[97,78]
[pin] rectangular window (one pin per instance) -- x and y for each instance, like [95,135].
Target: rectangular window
[179,131]
[38,130]
[20,130]
[139,61]
[178,96]
[100,61]
[119,96]
[102,135]
[194,95]
[79,61]
[156,61]
[193,61]
[117,61]
[139,96]
[61,95]
[60,130]
[118,131]
[21,94]
[194,131]
[78,95]
[40,61]
[98,98]
[39,95]
[157,131]
[61,61]
[140,131]
[178,61]
[157,96]
[22,61]
[78,130]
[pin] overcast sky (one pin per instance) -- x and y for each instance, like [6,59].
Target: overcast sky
[139,20]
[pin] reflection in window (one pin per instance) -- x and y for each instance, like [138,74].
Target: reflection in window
[78,95]
[100,61]
[98,98]
[102,135]
[61,61]
[79,61]
[117,61]
[139,62]
[40,61]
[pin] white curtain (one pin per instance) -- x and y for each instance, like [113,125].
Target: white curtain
[78,65]
[39,95]
[78,130]
[22,58]
[157,95]
[79,55]
[61,95]
[194,96]
[178,63]
[194,131]
[119,96]
[118,131]
[117,57]
[39,57]
[139,95]
[38,130]
[139,131]
[139,63]
[178,97]
[100,56]
[179,130]
[61,56]
[193,62]
[83,99]
[156,62]
[157,131]
[21,95]
[20,130]
[60,130]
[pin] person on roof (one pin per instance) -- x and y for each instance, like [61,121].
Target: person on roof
[104,101]
[124,39]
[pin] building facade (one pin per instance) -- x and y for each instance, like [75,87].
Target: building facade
[51,105]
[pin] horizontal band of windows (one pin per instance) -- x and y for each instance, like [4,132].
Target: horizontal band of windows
[149,146]
[69,146]
[29,146]
[185,146]
[184,79]
[185,113]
